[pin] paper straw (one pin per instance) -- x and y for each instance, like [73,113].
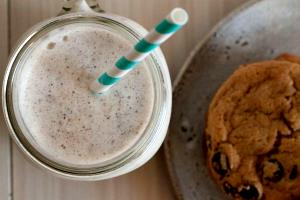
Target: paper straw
[165,29]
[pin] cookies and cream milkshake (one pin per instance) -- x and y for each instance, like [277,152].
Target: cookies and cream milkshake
[61,114]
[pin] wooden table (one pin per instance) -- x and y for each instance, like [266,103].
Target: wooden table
[19,179]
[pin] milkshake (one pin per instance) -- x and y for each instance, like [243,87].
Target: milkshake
[60,114]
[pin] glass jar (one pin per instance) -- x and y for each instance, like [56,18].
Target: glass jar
[81,12]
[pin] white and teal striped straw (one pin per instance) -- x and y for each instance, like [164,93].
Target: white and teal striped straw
[165,29]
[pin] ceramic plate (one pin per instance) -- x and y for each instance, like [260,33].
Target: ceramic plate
[259,30]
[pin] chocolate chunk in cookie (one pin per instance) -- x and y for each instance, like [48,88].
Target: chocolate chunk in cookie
[229,189]
[248,192]
[294,172]
[220,163]
[273,170]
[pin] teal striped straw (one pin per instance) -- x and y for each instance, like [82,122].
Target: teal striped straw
[165,29]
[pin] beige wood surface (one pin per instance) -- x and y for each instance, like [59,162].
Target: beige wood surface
[151,181]
[5,169]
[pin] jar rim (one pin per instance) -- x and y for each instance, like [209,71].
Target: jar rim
[34,154]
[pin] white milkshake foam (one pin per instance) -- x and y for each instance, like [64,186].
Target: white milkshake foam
[64,118]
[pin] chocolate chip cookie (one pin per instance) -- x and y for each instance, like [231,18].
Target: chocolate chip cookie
[289,57]
[253,132]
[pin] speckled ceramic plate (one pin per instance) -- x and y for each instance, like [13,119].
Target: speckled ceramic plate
[258,31]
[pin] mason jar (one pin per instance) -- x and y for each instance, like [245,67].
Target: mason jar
[82,12]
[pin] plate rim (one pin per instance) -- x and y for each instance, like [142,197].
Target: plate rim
[172,175]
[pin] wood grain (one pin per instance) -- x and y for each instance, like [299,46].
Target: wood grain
[150,181]
[5,168]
